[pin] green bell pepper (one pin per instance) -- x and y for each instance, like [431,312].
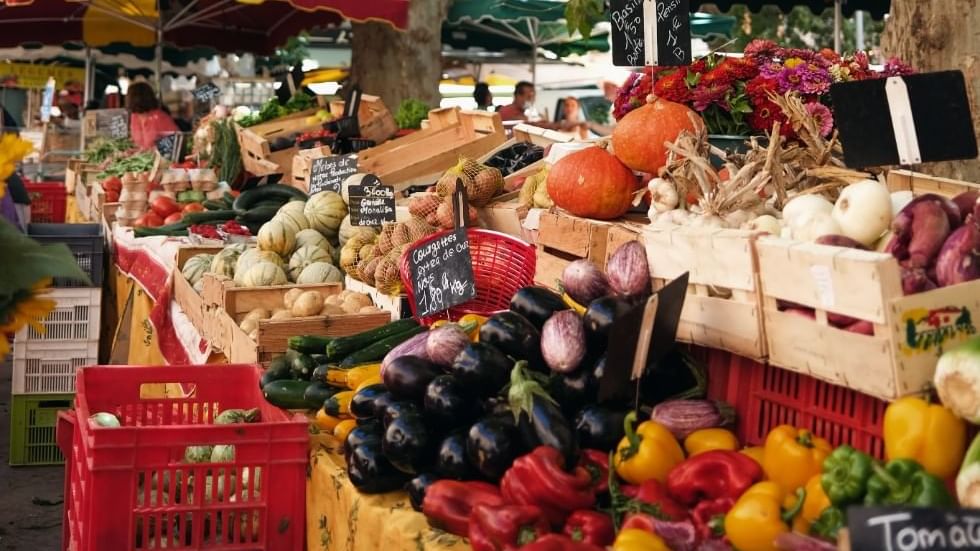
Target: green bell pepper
[845,475]
[904,482]
[829,523]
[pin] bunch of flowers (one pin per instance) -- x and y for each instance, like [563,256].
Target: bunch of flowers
[734,94]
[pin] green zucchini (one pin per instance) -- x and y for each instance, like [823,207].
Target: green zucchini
[228,199]
[377,351]
[279,369]
[309,344]
[317,393]
[341,347]
[286,393]
[208,216]
[171,230]
[250,198]
[258,215]
[214,204]
[302,366]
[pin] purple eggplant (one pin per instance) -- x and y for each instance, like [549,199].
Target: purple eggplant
[682,417]
[584,281]
[563,341]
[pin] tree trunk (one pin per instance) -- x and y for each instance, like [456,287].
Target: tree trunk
[934,35]
[399,65]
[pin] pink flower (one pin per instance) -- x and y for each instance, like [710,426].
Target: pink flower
[823,116]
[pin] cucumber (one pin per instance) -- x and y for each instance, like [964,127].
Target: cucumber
[214,204]
[172,230]
[377,351]
[258,215]
[286,394]
[228,199]
[309,344]
[317,393]
[250,198]
[208,216]
[343,346]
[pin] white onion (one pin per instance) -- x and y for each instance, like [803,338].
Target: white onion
[863,211]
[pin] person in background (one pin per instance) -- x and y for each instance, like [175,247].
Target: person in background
[523,101]
[147,122]
[483,97]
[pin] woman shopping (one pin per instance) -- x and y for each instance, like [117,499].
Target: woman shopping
[147,122]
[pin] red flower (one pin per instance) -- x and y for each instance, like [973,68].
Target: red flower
[673,88]
[698,66]
[719,76]
[741,68]
[759,87]
[706,94]
[764,114]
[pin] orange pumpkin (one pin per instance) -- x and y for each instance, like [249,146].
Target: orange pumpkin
[639,137]
[592,183]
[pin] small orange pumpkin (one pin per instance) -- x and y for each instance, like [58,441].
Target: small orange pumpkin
[639,137]
[592,183]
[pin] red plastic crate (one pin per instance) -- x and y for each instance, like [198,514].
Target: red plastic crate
[130,488]
[765,396]
[47,201]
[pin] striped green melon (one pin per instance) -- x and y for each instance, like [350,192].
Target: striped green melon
[292,215]
[195,267]
[315,239]
[224,262]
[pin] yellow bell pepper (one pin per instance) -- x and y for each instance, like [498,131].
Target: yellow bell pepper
[704,440]
[757,518]
[755,452]
[814,503]
[792,456]
[475,319]
[634,539]
[648,451]
[928,433]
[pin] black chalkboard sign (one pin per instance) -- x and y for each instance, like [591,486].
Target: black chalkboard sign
[206,92]
[171,145]
[442,273]
[371,203]
[673,33]
[904,120]
[328,173]
[923,529]
[626,17]
[112,123]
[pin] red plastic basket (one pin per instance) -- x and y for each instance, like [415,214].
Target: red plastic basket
[47,201]
[765,396]
[130,488]
[501,265]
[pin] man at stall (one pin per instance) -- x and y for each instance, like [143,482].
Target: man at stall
[517,110]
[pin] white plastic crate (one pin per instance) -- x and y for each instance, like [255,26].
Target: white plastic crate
[75,317]
[42,367]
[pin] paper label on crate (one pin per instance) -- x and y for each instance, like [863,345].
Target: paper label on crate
[533,219]
[900,109]
[932,330]
[823,280]
[919,528]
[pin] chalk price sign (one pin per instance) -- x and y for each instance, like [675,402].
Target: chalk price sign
[442,273]
[371,203]
[626,17]
[328,173]
[912,529]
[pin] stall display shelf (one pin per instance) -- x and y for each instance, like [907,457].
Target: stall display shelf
[49,367]
[396,305]
[375,121]
[256,143]
[33,418]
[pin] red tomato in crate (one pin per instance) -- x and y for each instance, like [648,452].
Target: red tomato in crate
[193,207]
[164,206]
[150,220]
[173,218]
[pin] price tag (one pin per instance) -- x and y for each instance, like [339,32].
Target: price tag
[206,92]
[112,123]
[371,203]
[169,146]
[919,528]
[650,32]
[442,273]
[626,17]
[328,173]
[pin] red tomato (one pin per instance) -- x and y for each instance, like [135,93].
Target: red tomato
[112,197]
[112,183]
[193,207]
[151,219]
[173,218]
[164,206]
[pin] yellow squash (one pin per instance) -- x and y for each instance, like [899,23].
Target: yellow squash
[634,539]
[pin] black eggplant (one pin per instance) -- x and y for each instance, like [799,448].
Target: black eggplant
[447,404]
[599,318]
[407,444]
[540,420]
[371,423]
[537,304]
[492,446]
[482,369]
[398,409]
[360,435]
[416,488]
[317,393]
[574,390]
[451,458]
[514,335]
[407,376]
[362,405]
[370,471]
[677,376]
[381,404]
[599,428]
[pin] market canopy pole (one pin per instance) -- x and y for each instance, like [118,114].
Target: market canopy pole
[838,30]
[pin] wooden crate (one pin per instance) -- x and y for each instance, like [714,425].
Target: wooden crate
[373,116]
[397,306]
[303,163]
[722,308]
[910,332]
[73,173]
[187,298]
[222,321]
[563,238]
[255,141]
[421,157]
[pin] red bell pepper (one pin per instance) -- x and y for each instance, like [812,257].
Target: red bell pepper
[559,542]
[709,517]
[539,478]
[652,493]
[506,528]
[712,475]
[597,463]
[448,504]
[590,527]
